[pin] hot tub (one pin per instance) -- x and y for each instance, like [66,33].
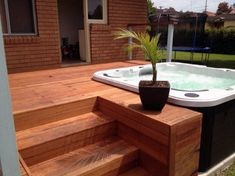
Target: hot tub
[210,91]
[191,85]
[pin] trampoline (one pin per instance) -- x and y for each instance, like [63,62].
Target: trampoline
[205,52]
[194,43]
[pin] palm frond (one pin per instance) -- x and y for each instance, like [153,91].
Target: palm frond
[124,33]
[149,45]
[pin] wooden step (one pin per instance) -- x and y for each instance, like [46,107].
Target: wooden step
[137,171]
[46,141]
[24,170]
[44,115]
[96,159]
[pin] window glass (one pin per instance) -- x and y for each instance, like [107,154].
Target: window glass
[21,16]
[95,9]
[3,16]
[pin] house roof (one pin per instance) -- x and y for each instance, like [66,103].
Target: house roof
[225,17]
[166,11]
[210,13]
[233,11]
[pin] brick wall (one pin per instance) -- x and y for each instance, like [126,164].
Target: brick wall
[120,13]
[26,53]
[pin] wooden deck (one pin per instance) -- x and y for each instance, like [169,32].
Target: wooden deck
[169,141]
[33,90]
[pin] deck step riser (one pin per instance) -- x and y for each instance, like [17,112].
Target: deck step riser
[114,165]
[98,159]
[123,168]
[54,113]
[137,171]
[51,149]
[106,168]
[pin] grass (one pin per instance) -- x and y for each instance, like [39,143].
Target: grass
[230,171]
[215,60]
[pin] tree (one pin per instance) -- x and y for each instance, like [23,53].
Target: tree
[151,8]
[171,10]
[223,8]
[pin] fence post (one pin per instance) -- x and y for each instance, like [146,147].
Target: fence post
[9,161]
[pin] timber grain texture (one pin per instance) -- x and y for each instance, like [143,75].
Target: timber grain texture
[97,159]
[61,114]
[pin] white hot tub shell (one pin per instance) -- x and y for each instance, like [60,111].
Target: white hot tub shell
[128,78]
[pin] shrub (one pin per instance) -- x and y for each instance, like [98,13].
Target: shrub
[221,40]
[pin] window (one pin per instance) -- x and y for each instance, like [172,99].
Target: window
[97,11]
[18,17]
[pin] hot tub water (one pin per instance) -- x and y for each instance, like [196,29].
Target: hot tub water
[212,86]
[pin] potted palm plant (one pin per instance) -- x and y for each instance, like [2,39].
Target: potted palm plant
[153,93]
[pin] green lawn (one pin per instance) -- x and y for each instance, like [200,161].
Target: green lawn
[230,171]
[215,60]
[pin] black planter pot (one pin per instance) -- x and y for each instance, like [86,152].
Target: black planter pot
[154,96]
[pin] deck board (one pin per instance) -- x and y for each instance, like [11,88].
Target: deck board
[33,90]
[167,131]
[99,158]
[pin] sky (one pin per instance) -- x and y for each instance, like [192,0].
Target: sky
[191,5]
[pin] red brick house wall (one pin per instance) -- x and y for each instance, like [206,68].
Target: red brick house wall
[120,13]
[26,53]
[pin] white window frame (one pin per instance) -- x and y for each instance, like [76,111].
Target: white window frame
[105,14]
[9,22]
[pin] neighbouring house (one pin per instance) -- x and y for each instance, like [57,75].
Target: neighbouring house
[166,11]
[229,21]
[40,34]
[189,30]
[221,21]
[233,11]
[209,14]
